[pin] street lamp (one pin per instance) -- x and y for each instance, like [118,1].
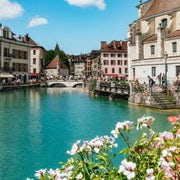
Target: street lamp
[69,66]
[165,60]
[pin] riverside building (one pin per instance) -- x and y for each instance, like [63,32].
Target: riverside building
[14,54]
[114,59]
[154,41]
[37,58]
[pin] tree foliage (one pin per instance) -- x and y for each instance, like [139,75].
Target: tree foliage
[52,54]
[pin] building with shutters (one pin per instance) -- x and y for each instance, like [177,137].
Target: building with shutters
[14,54]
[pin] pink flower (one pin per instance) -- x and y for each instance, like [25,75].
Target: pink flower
[167,135]
[173,119]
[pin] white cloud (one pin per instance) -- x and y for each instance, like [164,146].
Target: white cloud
[10,10]
[37,21]
[82,3]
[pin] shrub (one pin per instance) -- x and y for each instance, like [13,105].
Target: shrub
[152,156]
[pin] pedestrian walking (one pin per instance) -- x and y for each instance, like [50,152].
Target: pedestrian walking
[151,83]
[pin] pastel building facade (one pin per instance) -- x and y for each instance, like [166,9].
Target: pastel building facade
[114,59]
[154,41]
[14,54]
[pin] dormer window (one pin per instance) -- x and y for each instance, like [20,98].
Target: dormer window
[164,23]
[5,33]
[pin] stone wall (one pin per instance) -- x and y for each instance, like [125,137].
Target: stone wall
[145,99]
[142,98]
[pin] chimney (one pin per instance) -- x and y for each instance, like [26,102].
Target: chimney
[103,44]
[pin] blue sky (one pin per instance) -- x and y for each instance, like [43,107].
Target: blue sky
[78,26]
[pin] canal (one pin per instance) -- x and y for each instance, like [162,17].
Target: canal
[38,126]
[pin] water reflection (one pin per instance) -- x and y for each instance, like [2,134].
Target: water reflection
[34,120]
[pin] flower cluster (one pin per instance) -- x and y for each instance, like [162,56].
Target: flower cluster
[128,169]
[152,156]
[93,146]
[145,121]
[126,125]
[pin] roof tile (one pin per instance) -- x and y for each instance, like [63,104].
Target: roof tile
[162,6]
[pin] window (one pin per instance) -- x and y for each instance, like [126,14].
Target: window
[134,72]
[5,33]
[174,47]
[34,52]
[152,49]
[125,62]
[13,67]
[113,70]
[106,62]
[113,62]
[106,70]
[105,55]
[125,55]
[119,62]
[164,23]
[119,55]
[34,60]
[113,55]
[153,71]
[177,70]
[119,70]
[19,54]
[6,52]
[34,70]
[126,70]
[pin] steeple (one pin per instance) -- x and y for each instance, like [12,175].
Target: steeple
[57,47]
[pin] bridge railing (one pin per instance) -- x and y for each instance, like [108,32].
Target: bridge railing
[59,80]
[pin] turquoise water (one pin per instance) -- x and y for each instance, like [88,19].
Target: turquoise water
[38,126]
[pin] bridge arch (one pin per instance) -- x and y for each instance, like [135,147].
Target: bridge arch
[60,83]
[57,85]
[77,85]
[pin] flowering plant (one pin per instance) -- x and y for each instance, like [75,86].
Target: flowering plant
[152,156]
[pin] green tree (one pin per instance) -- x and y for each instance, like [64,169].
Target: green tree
[49,56]
[63,57]
[52,54]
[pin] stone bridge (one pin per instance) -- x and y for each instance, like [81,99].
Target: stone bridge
[62,83]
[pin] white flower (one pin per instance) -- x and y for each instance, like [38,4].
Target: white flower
[114,133]
[40,173]
[79,176]
[96,149]
[126,125]
[74,149]
[150,178]
[145,121]
[150,174]
[127,168]
[149,171]
[54,173]
[164,153]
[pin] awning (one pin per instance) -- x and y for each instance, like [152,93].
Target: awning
[6,75]
[34,74]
